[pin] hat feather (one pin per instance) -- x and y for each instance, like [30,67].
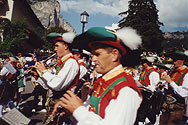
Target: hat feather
[68,37]
[129,37]
[186,52]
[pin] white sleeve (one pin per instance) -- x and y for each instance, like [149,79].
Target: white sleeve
[181,90]
[83,71]
[42,83]
[65,76]
[4,71]
[154,79]
[120,111]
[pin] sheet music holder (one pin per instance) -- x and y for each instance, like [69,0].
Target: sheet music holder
[15,117]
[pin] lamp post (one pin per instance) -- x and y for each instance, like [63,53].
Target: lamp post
[84,19]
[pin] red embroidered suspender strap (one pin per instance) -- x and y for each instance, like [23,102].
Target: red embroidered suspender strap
[143,77]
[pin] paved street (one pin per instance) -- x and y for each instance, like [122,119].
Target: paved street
[37,117]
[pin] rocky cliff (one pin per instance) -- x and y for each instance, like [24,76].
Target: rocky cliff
[48,12]
[176,39]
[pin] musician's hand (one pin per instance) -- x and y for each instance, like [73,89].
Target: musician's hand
[57,105]
[70,101]
[166,78]
[87,84]
[30,67]
[40,66]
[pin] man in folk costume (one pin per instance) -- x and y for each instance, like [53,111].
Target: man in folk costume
[178,81]
[83,92]
[67,69]
[77,53]
[149,78]
[115,98]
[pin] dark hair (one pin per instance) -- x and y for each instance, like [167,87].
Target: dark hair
[142,61]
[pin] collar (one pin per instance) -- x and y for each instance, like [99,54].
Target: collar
[66,56]
[182,67]
[114,72]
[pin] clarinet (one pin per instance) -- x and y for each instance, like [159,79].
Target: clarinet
[26,73]
[84,79]
[77,90]
[169,72]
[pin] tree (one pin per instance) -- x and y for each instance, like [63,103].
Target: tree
[142,16]
[14,36]
[48,45]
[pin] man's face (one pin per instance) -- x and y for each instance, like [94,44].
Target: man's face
[7,59]
[60,49]
[102,60]
[178,63]
[144,65]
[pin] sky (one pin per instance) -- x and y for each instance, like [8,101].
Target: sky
[172,13]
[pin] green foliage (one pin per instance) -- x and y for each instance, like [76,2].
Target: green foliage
[14,36]
[49,45]
[142,16]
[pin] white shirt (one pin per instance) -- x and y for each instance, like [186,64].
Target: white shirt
[154,79]
[39,81]
[65,76]
[83,70]
[120,111]
[4,71]
[181,90]
[21,60]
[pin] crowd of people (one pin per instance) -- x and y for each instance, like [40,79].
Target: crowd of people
[99,87]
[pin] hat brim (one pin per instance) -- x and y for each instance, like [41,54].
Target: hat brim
[176,56]
[161,66]
[53,36]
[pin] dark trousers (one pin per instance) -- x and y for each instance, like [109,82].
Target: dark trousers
[39,90]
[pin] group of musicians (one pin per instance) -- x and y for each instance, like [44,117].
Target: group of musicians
[113,96]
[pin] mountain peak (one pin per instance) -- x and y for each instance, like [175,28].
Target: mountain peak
[48,12]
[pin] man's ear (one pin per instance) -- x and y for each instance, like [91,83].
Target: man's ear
[66,46]
[79,55]
[115,54]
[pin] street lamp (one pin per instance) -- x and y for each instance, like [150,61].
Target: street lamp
[84,19]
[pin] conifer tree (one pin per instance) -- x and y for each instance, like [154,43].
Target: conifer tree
[142,16]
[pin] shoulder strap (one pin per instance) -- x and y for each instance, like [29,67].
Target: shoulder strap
[179,80]
[143,78]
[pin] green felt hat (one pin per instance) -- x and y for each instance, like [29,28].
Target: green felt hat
[61,37]
[120,39]
[177,55]
[76,50]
